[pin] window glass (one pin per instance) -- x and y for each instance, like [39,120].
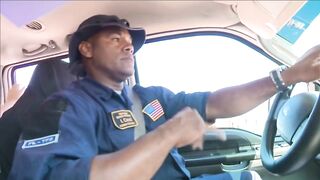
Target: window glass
[206,63]
[300,87]
[22,76]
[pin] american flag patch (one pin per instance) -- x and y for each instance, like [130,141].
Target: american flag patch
[153,110]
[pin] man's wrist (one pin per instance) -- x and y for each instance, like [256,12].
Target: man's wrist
[168,132]
[278,80]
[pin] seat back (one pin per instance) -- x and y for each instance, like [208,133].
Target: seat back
[49,77]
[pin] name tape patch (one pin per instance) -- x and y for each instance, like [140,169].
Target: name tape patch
[43,141]
[123,119]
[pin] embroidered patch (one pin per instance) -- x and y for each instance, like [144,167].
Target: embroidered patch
[123,119]
[153,110]
[43,141]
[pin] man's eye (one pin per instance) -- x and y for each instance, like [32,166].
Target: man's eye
[115,38]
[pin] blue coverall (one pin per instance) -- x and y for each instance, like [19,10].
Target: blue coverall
[87,119]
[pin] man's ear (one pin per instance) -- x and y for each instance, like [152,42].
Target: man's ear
[85,48]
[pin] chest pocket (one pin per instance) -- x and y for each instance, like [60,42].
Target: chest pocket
[121,129]
[121,138]
[122,123]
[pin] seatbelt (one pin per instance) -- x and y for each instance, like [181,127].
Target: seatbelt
[139,130]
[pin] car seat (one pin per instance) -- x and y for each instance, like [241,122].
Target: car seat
[49,76]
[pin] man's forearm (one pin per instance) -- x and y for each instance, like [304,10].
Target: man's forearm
[143,158]
[236,100]
[140,160]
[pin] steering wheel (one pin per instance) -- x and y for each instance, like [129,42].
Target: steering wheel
[297,119]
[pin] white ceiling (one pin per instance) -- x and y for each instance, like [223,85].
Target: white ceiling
[154,16]
[262,17]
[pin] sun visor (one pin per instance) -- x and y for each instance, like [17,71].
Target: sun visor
[299,23]
[266,18]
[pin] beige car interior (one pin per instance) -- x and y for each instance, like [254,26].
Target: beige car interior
[47,36]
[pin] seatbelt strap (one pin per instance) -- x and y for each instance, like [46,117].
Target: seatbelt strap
[139,130]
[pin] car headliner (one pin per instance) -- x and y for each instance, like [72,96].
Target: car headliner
[63,19]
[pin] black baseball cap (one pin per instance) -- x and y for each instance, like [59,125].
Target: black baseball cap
[95,24]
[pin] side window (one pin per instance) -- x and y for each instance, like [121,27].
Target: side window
[206,63]
[22,75]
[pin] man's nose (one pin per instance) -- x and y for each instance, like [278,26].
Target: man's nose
[129,48]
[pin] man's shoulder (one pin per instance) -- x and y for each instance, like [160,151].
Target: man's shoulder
[152,89]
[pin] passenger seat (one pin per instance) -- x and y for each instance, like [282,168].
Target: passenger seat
[49,76]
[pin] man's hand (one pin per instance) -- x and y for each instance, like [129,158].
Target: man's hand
[187,128]
[307,69]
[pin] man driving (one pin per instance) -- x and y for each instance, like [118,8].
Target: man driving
[89,130]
